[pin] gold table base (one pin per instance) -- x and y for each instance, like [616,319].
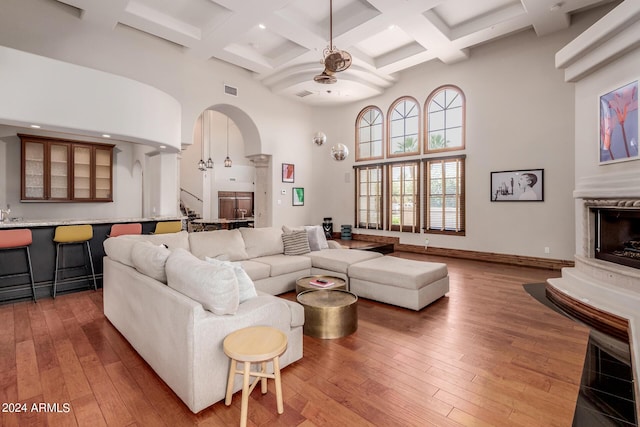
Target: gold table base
[329,313]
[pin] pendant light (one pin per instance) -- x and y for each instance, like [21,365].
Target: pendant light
[227,160]
[210,161]
[201,164]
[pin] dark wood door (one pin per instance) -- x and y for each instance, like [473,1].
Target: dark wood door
[226,207]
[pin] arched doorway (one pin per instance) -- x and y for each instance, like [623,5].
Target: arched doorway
[222,130]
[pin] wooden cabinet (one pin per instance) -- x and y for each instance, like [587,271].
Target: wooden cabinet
[232,204]
[59,170]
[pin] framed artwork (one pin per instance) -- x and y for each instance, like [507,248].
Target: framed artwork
[618,140]
[298,196]
[288,172]
[517,186]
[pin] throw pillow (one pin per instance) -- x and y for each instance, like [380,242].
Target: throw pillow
[296,243]
[150,260]
[215,287]
[317,240]
[246,288]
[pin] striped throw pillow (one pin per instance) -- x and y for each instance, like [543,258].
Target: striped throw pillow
[296,243]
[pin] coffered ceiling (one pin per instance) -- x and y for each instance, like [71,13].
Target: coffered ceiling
[282,41]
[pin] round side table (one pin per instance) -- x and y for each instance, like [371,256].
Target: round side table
[257,344]
[329,313]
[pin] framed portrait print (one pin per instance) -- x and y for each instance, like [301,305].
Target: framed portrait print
[517,186]
[298,196]
[288,172]
[618,140]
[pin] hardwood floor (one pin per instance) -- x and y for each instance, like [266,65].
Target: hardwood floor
[488,354]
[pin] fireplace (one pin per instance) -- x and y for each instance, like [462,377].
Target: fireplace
[617,235]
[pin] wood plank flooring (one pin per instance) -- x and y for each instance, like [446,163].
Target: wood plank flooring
[488,354]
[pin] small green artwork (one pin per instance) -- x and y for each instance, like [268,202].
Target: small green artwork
[298,196]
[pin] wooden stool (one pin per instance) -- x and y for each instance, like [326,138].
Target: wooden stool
[258,344]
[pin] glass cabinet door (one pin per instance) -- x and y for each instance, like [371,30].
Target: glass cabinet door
[81,172]
[103,173]
[33,179]
[59,171]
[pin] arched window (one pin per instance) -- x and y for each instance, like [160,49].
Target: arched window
[404,127]
[369,134]
[445,120]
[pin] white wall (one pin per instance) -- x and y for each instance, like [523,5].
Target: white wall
[519,116]
[51,29]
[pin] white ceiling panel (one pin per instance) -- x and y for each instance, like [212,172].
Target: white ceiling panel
[383,36]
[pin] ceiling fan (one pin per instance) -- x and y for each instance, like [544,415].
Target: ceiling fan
[334,60]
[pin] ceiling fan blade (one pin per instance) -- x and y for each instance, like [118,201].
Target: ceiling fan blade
[326,77]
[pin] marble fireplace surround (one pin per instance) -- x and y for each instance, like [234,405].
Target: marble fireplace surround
[604,285]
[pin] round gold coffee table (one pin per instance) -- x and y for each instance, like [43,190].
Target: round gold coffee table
[304,283]
[329,313]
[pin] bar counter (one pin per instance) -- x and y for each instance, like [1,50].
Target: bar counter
[43,253]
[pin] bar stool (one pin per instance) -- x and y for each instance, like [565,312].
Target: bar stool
[257,344]
[20,238]
[121,229]
[168,227]
[72,235]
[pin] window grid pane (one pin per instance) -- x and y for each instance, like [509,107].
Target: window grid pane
[404,126]
[404,197]
[445,120]
[369,197]
[369,133]
[445,186]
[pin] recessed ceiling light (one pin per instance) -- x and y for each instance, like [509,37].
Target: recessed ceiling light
[262,26]
[163,147]
[35,126]
[104,135]
[392,27]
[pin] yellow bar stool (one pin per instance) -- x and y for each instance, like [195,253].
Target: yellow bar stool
[20,238]
[73,235]
[168,227]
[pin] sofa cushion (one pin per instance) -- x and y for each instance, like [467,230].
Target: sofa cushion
[283,264]
[256,270]
[339,260]
[315,235]
[170,240]
[246,288]
[215,287]
[296,243]
[226,245]
[150,260]
[262,241]
[317,239]
[399,272]
[119,248]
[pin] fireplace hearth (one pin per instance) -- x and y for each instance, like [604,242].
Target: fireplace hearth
[618,236]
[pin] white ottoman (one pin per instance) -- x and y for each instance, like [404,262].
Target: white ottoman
[402,282]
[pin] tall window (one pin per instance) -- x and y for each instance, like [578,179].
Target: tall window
[369,134]
[404,197]
[404,127]
[369,197]
[444,195]
[445,119]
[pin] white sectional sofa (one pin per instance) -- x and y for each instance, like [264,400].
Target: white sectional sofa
[177,332]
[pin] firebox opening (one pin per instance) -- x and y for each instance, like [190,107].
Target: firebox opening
[618,236]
